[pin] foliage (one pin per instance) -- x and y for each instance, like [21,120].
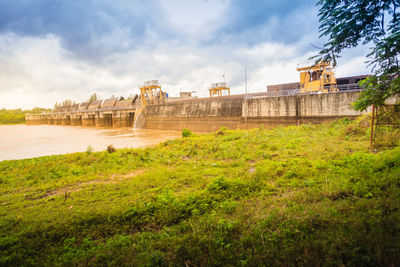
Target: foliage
[111,149]
[186,133]
[63,104]
[350,23]
[93,98]
[387,126]
[302,195]
[13,116]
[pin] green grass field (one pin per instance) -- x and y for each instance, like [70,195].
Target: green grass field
[301,195]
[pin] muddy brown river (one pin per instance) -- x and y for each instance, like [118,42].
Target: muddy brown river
[27,141]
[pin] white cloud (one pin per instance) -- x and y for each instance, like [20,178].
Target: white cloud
[39,71]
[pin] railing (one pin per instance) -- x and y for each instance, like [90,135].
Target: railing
[96,110]
[341,88]
[349,87]
[284,92]
[274,94]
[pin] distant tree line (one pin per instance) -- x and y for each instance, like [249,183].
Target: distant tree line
[13,116]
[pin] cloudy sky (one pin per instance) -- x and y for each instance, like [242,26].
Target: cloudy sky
[52,50]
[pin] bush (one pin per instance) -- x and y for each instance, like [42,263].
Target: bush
[358,128]
[387,137]
[186,133]
[222,131]
[111,149]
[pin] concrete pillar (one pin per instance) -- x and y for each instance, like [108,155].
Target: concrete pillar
[76,119]
[99,119]
[66,119]
[88,119]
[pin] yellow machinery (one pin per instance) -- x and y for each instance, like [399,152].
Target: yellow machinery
[151,93]
[218,88]
[319,77]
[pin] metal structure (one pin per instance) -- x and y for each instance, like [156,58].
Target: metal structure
[319,77]
[151,93]
[217,89]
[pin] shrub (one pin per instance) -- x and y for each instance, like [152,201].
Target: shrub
[358,128]
[222,131]
[111,149]
[387,137]
[186,133]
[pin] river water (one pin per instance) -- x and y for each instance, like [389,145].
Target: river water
[27,141]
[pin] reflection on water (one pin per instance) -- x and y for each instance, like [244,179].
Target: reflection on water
[27,141]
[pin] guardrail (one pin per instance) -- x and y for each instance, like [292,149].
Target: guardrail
[349,87]
[341,88]
[89,111]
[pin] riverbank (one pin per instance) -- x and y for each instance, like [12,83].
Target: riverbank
[309,194]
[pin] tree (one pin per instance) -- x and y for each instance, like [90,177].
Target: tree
[66,103]
[93,98]
[348,23]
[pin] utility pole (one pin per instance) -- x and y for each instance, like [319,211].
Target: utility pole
[245,96]
[224,75]
[372,127]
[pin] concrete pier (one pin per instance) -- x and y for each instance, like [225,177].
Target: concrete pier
[108,113]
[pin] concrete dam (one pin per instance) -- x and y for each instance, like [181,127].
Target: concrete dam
[205,114]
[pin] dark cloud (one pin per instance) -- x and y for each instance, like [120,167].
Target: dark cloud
[259,21]
[96,29]
[87,28]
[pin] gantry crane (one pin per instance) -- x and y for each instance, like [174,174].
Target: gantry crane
[318,77]
[151,93]
[217,89]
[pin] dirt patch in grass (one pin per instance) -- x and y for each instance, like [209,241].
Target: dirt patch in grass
[114,179]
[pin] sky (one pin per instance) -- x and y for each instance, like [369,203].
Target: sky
[53,50]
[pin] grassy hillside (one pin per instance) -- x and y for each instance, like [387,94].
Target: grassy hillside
[15,116]
[307,195]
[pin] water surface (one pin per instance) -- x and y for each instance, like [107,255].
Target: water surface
[27,141]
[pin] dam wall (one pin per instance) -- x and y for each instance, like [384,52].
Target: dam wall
[240,112]
[207,114]
[301,108]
